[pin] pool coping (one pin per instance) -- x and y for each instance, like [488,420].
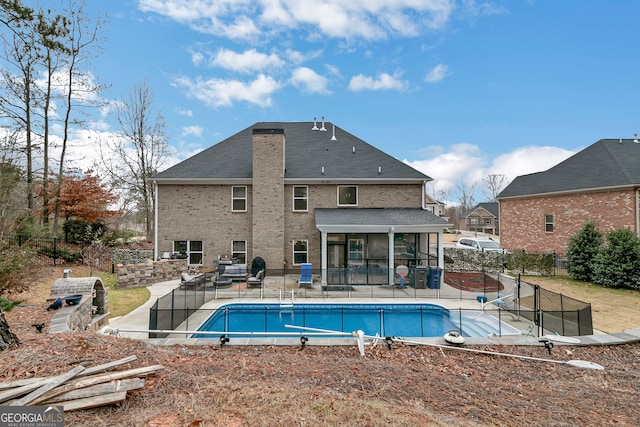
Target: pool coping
[138,320]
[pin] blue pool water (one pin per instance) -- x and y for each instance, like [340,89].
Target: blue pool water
[405,320]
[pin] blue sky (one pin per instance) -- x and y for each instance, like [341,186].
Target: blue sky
[458,89]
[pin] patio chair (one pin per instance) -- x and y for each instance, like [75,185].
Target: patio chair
[188,281]
[256,281]
[305,275]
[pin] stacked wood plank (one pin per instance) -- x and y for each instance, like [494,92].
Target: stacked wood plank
[79,388]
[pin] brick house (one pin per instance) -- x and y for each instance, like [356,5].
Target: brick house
[294,193]
[483,218]
[539,212]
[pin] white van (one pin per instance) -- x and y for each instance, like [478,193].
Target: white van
[479,244]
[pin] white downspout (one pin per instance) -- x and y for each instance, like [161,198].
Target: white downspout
[391,256]
[424,194]
[155,221]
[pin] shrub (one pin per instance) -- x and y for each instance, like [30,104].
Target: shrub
[76,231]
[617,263]
[582,250]
[60,253]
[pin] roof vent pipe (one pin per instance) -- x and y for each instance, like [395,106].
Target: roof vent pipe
[315,126]
[323,129]
[333,138]
[635,138]
[323,170]
[353,149]
[379,169]
[620,141]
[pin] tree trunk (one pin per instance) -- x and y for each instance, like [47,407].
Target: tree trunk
[7,338]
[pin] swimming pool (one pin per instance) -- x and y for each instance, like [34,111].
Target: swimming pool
[400,320]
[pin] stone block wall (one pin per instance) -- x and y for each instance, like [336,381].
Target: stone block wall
[138,275]
[72,318]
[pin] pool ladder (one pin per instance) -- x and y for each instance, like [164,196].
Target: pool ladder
[286,306]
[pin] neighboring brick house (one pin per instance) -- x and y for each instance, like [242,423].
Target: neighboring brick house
[483,218]
[541,211]
[293,193]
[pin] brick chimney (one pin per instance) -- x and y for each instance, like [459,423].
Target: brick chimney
[268,196]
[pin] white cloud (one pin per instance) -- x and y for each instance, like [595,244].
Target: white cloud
[192,131]
[465,163]
[197,58]
[248,61]
[384,81]
[183,112]
[366,19]
[223,93]
[437,73]
[309,81]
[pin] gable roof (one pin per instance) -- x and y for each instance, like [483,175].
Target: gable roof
[492,207]
[307,151]
[608,163]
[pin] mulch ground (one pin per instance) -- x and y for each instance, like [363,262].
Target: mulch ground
[472,281]
[276,385]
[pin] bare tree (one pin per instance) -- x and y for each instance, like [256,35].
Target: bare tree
[494,183]
[466,195]
[78,87]
[139,151]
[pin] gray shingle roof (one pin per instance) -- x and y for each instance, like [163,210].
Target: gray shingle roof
[376,216]
[605,164]
[306,153]
[492,207]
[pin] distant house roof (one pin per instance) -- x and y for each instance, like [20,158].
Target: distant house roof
[492,207]
[307,152]
[608,163]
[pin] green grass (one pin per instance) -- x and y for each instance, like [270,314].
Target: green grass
[124,301]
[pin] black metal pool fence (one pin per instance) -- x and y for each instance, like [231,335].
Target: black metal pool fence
[548,311]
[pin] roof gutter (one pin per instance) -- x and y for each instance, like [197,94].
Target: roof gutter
[572,191]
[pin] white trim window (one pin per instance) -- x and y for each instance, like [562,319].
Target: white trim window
[239,251]
[192,250]
[238,199]
[347,195]
[300,252]
[548,223]
[300,198]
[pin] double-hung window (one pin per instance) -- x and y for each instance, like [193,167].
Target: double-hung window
[239,199]
[347,195]
[300,252]
[300,198]
[189,249]
[239,251]
[548,223]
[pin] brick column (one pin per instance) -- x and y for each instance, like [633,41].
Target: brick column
[268,197]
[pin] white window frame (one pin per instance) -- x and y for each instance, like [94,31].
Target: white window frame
[235,252]
[355,187]
[234,198]
[549,224]
[298,252]
[304,198]
[191,251]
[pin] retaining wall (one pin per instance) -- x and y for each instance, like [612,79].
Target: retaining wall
[138,275]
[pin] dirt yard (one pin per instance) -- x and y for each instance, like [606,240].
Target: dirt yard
[334,386]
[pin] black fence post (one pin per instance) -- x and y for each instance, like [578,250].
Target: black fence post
[55,251]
